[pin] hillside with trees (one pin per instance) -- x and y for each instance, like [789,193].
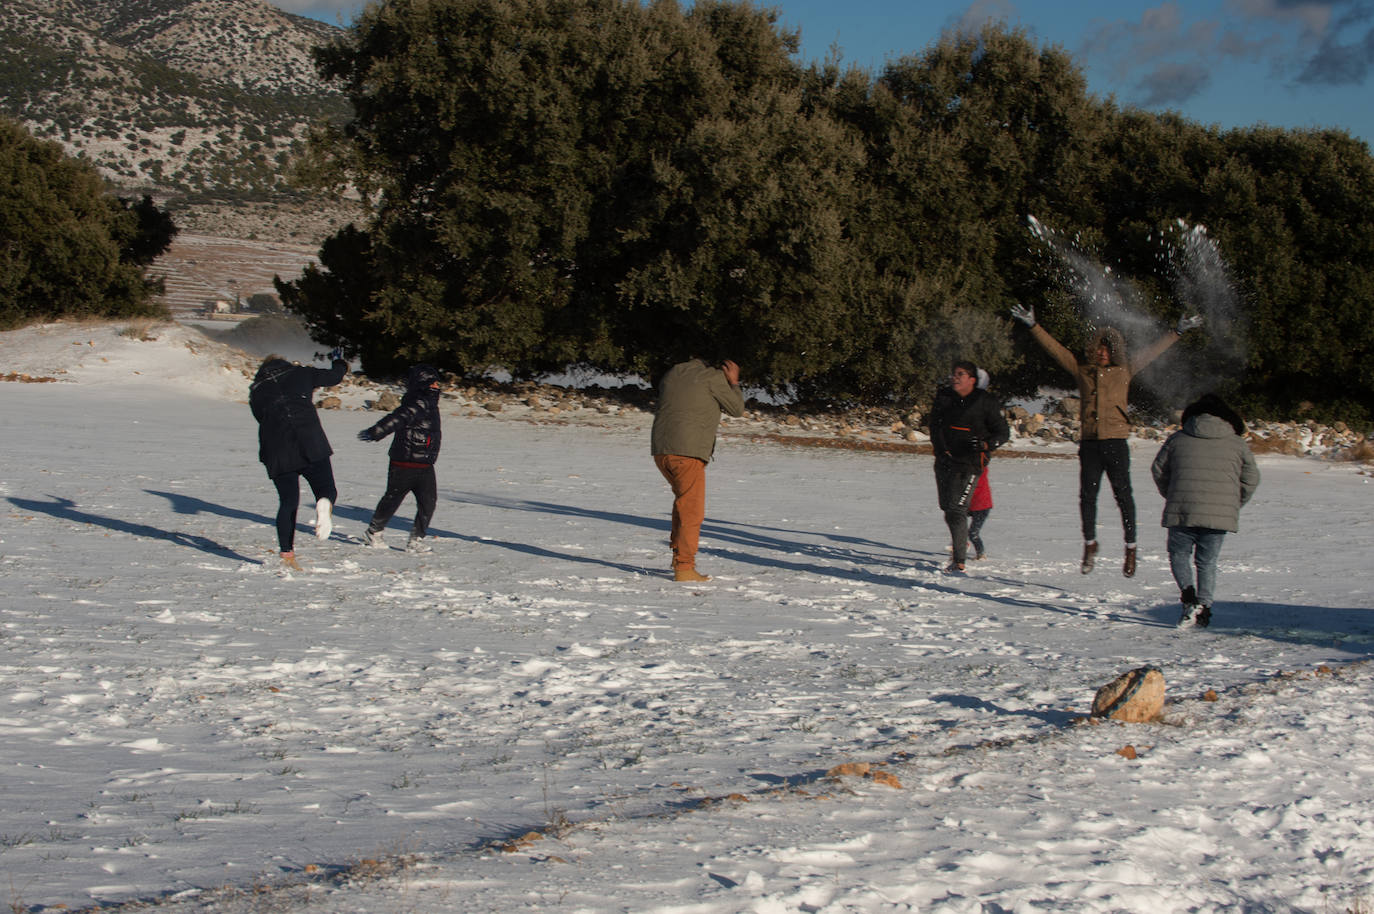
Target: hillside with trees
[193,98]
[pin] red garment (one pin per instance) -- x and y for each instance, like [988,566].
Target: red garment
[982,494]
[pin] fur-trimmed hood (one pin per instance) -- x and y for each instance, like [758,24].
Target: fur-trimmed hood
[1212,405]
[1115,342]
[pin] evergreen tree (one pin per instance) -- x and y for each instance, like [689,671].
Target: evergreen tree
[592,181]
[67,249]
[964,141]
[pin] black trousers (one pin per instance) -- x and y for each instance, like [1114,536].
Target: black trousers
[320,477]
[403,481]
[954,484]
[1113,457]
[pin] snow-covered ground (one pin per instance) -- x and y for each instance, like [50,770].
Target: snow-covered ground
[535,717]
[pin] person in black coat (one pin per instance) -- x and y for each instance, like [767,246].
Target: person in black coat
[966,424]
[292,443]
[414,449]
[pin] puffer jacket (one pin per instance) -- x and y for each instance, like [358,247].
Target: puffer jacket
[290,436]
[1103,390]
[691,397]
[415,421]
[1205,472]
[963,430]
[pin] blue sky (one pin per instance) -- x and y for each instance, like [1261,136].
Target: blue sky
[1232,63]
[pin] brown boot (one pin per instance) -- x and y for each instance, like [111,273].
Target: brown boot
[288,560]
[1128,566]
[1089,557]
[689,574]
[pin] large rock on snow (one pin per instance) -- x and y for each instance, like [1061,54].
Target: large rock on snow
[1134,697]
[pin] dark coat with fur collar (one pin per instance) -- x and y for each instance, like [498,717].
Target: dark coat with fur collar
[290,436]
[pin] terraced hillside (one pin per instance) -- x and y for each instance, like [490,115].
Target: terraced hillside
[199,270]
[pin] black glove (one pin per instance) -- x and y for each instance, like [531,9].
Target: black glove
[366,435]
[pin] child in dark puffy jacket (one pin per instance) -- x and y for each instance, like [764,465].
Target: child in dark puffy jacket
[414,449]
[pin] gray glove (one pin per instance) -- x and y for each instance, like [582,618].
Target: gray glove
[336,354]
[1023,313]
[1188,322]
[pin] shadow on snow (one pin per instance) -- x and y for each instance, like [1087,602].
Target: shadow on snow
[65,509]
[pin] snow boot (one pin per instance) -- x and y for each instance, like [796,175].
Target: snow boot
[1089,556]
[324,519]
[374,539]
[1188,597]
[688,574]
[954,568]
[288,560]
[416,545]
[1128,565]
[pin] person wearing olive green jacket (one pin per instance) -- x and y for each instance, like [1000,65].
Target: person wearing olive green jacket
[1104,380]
[691,397]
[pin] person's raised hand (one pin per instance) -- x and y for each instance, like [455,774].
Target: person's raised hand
[1023,313]
[1188,322]
[731,371]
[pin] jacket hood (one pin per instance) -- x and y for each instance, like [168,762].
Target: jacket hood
[1206,425]
[1115,341]
[1212,405]
[421,378]
[270,368]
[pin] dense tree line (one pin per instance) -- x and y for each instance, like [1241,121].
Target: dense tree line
[67,247]
[616,184]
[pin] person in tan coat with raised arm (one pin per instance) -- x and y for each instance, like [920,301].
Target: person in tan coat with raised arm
[1104,381]
[691,397]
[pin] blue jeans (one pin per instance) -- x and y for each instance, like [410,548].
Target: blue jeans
[1200,546]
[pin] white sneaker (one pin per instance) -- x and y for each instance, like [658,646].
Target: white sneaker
[374,539]
[418,546]
[324,519]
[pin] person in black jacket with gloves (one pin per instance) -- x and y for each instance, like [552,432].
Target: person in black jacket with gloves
[966,424]
[292,443]
[414,449]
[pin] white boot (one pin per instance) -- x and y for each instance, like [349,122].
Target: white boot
[324,519]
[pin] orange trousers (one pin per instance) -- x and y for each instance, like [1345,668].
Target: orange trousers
[687,476]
